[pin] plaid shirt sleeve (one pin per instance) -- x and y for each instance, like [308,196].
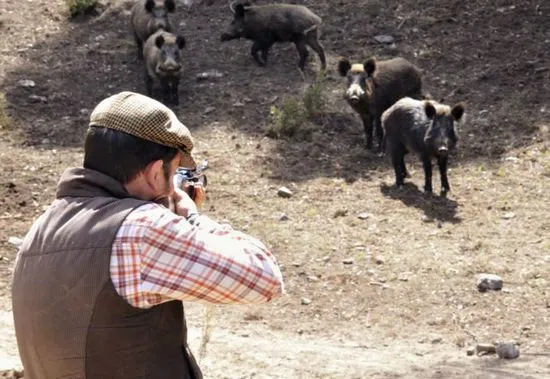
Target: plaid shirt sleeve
[158,256]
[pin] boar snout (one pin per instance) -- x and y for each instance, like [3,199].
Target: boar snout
[355,93]
[443,150]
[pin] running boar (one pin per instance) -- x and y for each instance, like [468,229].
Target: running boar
[148,16]
[374,86]
[426,128]
[267,24]
[163,62]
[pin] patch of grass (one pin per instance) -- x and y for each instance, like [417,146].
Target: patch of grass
[81,7]
[4,118]
[288,119]
[208,326]
[314,99]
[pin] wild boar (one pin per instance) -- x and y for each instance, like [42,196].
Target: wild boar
[374,86]
[267,24]
[147,17]
[426,128]
[163,63]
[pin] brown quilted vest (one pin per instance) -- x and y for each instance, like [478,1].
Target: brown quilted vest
[69,320]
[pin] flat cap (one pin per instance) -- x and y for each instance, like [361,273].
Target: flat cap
[146,118]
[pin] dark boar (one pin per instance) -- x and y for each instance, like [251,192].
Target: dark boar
[426,128]
[267,24]
[148,16]
[375,86]
[163,62]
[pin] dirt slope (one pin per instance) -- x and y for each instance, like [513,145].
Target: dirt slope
[413,313]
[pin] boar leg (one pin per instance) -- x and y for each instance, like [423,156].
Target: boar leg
[256,47]
[174,91]
[379,134]
[148,84]
[165,88]
[442,163]
[139,46]
[367,125]
[427,164]
[313,42]
[398,160]
[302,51]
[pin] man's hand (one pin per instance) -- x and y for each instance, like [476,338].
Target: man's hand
[183,204]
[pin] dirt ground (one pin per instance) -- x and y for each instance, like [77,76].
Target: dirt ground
[390,294]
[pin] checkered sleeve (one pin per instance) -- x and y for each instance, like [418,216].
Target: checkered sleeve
[158,256]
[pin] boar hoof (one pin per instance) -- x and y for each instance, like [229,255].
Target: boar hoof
[443,192]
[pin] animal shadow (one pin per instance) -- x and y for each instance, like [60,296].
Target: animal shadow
[435,207]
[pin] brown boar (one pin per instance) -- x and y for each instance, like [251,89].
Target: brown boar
[148,16]
[163,63]
[426,128]
[268,24]
[375,86]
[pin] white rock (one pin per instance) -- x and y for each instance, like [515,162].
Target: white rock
[489,282]
[284,192]
[15,241]
[27,83]
[384,39]
[508,215]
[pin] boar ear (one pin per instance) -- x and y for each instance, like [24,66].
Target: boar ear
[343,66]
[149,5]
[239,10]
[370,66]
[170,5]
[180,41]
[458,111]
[159,41]
[429,109]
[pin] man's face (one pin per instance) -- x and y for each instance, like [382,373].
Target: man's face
[168,173]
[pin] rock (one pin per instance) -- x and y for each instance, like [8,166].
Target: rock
[284,192]
[384,39]
[485,348]
[84,111]
[379,260]
[508,215]
[27,83]
[507,351]
[38,99]
[487,282]
[209,110]
[471,351]
[238,104]
[283,217]
[305,301]
[363,216]
[348,261]
[45,141]
[15,241]
[340,213]
[437,340]
[427,219]
[208,75]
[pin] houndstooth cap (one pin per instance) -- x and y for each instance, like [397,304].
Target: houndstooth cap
[146,118]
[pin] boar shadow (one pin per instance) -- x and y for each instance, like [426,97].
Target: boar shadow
[435,207]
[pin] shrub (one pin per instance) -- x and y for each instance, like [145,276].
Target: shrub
[81,7]
[314,99]
[286,120]
[4,119]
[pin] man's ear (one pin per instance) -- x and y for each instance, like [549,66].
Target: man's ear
[154,175]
